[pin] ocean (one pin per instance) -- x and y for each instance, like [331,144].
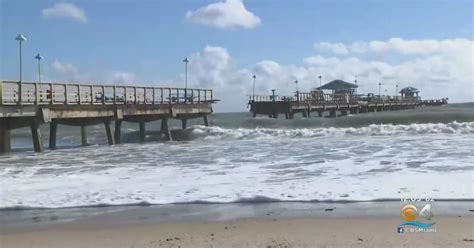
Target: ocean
[422,153]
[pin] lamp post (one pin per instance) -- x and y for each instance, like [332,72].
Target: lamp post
[320,81]
[186,61]
[20,38]
[355,82]
[253,89]
[380,89]
[296,83]
[396,91]
[39,58]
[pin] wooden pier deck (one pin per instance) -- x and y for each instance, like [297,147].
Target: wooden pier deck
[331,105]
[31,104]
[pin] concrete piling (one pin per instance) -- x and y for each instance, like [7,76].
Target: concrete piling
[110,135]
[5,145]
[53,129]
[184,123]
[165,129]
[206,120]
[36,135]
[118,131]
[142,131]
[83,135]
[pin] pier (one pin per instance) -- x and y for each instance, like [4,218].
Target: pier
[341,102]
[32,104]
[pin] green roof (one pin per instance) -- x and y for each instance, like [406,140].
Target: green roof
[338,85]
[409,90]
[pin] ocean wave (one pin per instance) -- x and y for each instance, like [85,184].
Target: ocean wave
[371,130]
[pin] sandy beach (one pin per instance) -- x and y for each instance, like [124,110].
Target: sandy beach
[237,225]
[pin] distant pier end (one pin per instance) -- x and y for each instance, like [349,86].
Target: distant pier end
[343,100]
[31,104]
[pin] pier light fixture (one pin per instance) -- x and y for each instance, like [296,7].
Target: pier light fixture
[320,81]
[380,89]
[253,89]
[186,61]
[20,38]
[39,58]
[296,83]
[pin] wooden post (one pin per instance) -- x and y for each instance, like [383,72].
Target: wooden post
[206,120]
[117,131]
[184,123]
[332,113]
[36,135]
[108,130]
[5,145]
[142,131]
[53,128]
[164,128]
[320,113]
[343,112]
[83,135]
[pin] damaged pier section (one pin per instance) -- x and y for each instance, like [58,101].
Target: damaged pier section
[32,104]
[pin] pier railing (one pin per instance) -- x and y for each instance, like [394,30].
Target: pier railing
[44,93]
[319,98]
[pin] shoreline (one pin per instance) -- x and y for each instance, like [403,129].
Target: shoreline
[284,224]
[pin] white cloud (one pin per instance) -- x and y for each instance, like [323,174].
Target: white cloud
[337,48]
[120,77]
[67,11]
[224,15]
[66,71]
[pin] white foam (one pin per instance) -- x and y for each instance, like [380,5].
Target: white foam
[432,160]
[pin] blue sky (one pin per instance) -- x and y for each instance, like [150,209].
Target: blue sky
[146,41]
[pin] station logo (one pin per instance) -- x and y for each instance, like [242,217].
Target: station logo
[412,219]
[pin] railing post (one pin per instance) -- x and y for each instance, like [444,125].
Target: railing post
[115,94]
[103,94]
[135,94]
[212,97]
[199,96]
[125,98]
[79,94]
[161,92]
[169,92]
[185,95]
[51,94]
[20,92]
[92,93]
[177,94]
[36,94]
[205,95]
[1,94]
[65,94]
[153,92]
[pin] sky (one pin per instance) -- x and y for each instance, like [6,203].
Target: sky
[425,44]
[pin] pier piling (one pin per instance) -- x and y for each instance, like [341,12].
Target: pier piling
[108,130]
[117,131]
[83,135]
[53,129]
[184,123]
[165,129]
[36,135]
[206,120]
[5,145]
[142,131]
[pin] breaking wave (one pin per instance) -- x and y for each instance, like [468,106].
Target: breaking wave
[371,130]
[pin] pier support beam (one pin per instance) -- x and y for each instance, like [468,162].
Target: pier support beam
[206,120]
[36,135]
[305,115]
[308,113]
[83,136]
[184,123]
[118,131]
[142,131]
[53,129]
[108,131]
[332,113]
[354,110]
[320,113]
[343,112]
[5,145]
[165,129]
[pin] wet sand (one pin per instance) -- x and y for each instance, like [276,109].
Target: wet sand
[235,225]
